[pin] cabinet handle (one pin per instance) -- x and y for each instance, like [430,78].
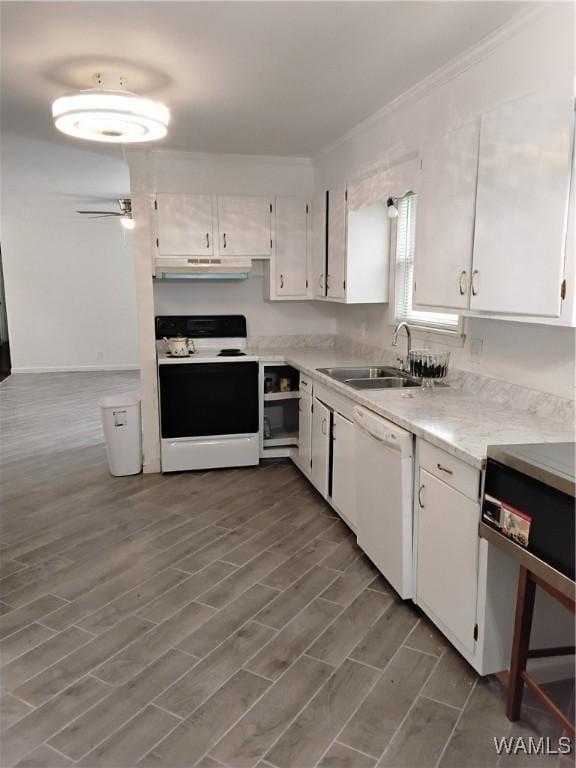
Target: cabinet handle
[281,281]
[303,381]
[323,426]
[207,240]
[420,504]
[462,282]
[224,238]
[321,280]
[445,469]
[474,283]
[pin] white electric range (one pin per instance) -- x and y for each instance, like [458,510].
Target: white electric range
[209,399]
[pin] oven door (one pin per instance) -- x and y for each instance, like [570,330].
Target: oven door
[208,399]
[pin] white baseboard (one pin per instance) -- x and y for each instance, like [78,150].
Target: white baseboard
[76,368]
[552,669]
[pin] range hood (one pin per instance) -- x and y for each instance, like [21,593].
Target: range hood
[202,267]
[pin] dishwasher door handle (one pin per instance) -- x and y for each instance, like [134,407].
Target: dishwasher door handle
[387,439]
[378,429]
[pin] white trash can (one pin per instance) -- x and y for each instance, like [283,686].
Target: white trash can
[122,425]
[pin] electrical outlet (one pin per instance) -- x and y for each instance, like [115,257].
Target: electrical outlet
[476,350]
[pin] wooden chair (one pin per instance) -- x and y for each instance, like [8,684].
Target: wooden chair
[521,652]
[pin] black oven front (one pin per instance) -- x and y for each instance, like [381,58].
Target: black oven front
[205,399]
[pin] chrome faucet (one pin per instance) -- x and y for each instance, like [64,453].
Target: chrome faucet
[408,340]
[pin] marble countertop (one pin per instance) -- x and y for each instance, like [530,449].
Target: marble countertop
[460,423]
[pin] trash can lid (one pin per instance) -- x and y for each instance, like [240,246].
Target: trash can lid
[120,401]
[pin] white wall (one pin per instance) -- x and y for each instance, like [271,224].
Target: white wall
[537,54]
[70,289]
[237,174]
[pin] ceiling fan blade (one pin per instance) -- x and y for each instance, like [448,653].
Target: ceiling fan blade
[102,216]
[100,213]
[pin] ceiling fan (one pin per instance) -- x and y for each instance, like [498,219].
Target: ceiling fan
[125,213]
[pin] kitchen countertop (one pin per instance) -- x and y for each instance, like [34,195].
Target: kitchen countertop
[460,423]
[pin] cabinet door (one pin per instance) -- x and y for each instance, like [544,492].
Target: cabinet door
[447,556]
[184,225]
[291,235]
[343,468]
[305,432]
[336,287]
[318,265]
[320,446]
[367,253]
[244,225]
[445,220]
[523,182]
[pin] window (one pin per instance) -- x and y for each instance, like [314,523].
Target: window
[405,238]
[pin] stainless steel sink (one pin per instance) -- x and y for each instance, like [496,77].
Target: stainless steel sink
[372,377]
[391,382]
[364,372]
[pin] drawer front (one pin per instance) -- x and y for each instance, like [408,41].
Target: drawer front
[455,473]
[305,383]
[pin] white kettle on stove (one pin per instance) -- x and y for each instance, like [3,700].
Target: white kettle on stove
[179,346]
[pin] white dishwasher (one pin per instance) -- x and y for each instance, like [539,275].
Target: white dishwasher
[384,482]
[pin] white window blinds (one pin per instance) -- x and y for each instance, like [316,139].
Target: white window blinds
[405,242]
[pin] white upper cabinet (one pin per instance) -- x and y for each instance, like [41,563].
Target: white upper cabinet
[521,209]
[492,212]
[184,225]
[291,247]
[367,252]
[244,225]
[350,247]
[318,246]
[336,277]
[445,219]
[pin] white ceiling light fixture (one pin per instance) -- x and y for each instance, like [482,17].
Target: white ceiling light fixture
[110,113]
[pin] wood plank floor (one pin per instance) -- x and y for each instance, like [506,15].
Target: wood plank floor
[222,618]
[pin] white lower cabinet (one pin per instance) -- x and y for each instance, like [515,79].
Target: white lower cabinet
[305,432]
[343,468]
[321,416]
[465,586]
[446,564]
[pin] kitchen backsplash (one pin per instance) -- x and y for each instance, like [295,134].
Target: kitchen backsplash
[323,340]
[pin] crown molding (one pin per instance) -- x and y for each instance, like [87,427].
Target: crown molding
[447,72]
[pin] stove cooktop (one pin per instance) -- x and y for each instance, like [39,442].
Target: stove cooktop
[231,353]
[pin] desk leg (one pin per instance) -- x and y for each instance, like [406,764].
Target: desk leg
[520,643]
